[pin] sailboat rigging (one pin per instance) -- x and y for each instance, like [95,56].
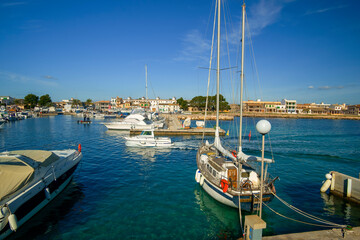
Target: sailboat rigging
[227,176]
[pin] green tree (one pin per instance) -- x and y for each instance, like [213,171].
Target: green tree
[45,100]
[18,101]
[200,103]
[183,104]
[76,103]
[88,102]
[31,100]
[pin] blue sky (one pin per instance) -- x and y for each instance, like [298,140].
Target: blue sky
[304,50]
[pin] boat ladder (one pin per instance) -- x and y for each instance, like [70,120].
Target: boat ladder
[255,203]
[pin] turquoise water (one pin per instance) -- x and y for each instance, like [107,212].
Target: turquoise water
[120,192]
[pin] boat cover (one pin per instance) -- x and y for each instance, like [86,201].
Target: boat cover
[16,169]
[14,174]
[44,158]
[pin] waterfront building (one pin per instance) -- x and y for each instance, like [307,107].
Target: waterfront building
[353,110]
[336,109]
[154,105]
[102,106]
[290,105]
[260,106]
[234,108]
[6,100]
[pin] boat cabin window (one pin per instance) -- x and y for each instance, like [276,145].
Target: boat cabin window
[211,170]
[146,133]
[214,173]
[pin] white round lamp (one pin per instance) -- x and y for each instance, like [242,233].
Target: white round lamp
[263,126]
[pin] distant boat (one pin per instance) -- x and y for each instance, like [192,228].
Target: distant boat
[29,180]
[138,120]
[200,124]
[227,175]
[147,139]
[84,122]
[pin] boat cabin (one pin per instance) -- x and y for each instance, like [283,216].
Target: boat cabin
[222,168]
[147,133]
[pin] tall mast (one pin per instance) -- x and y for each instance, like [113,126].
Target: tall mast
[146,82]
[242,76]
[217,139]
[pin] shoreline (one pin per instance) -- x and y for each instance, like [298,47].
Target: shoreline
[230,116]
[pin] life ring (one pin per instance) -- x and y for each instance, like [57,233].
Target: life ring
[233,152]
[79,148]
[224,185]
[247,185]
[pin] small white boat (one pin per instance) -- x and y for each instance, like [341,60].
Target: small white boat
[147,139]
[200,124]
[29,180]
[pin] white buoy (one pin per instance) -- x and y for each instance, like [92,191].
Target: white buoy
[197,176]
[47,194]
[201,179]
[4,212]
[327,183]
[13,222]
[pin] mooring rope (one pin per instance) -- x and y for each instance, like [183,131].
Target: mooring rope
[313,224]
[307,215]
[312,217]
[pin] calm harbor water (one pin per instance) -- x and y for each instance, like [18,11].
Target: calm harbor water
[120,192]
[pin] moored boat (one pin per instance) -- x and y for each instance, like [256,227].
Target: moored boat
[138,119]
[147,139]
[29,180]
[227,175]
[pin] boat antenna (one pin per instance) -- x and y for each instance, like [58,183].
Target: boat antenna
[242,76]
[146,85]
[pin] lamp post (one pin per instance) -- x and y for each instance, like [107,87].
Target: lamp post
[263,127]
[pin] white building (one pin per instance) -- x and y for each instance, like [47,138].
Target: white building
[290,105]
[7,100]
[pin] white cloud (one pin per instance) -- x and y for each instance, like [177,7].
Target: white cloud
[310,87]
[194,47]
[263,14]
[50,77]
[10,4]
[17,78]
[310,12]
[330,87]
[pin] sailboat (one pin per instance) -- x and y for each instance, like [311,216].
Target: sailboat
[225,175]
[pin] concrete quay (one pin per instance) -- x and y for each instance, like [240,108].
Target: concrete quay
[183,132]
[332,234]
[175,128]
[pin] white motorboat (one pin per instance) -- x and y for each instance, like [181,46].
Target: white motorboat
[30,179]
[136,120]
[147,139]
